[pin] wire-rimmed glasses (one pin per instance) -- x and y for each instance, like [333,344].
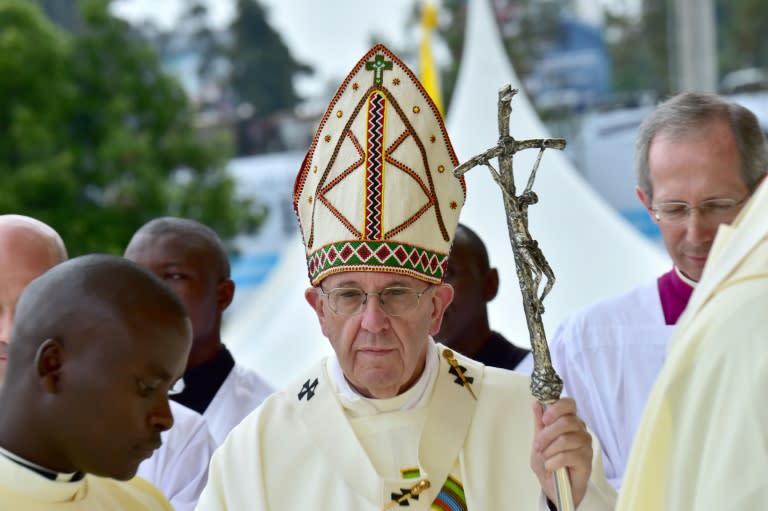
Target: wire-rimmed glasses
[718,209]
[395,301]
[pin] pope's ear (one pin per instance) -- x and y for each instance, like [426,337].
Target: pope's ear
[441,299]
[313,298]
[48,361]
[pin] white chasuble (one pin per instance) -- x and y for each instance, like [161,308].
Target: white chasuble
[302,450]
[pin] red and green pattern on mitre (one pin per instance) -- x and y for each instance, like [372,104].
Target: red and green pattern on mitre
[376,191]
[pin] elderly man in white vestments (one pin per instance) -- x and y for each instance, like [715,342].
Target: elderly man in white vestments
[393,419]
[698,160]
[97,343]
[179,468]
[703,439]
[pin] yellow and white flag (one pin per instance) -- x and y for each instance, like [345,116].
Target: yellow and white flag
[428,74]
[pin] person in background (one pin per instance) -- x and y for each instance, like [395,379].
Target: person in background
[28,248]
[392,419]
[191,259]
[96,345]
[702,439]
[179,468]
[465,325]
[698,160]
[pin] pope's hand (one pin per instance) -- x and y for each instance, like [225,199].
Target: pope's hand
[561,439]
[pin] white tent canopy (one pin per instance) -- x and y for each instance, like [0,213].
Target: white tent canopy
[592,251]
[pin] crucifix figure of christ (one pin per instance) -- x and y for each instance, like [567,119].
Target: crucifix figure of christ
[530,262]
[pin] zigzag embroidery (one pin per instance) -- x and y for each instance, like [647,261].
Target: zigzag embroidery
[301,181]
[374,171]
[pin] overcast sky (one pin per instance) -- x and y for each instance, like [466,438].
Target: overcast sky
[329,35]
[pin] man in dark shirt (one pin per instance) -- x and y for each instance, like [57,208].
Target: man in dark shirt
[465,325]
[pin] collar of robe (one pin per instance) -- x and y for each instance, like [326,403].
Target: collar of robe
[52,475]
[358,405]
[450,408]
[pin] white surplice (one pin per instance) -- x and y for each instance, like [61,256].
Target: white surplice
[242,391]
[179,468]
[609,355]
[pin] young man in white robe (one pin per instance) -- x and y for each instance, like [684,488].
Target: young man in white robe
[191,259]
[179,468]
[702,439]
[698,160]
[393,419]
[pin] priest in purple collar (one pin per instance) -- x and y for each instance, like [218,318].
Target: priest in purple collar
[698,159]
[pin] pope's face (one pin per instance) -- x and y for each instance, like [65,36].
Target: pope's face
[381,355]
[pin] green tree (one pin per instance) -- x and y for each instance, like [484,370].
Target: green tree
[742,34]
[452,32]
[261,76]
[639,50]
[251,67]
[643,52]
[262,66]
[99,140]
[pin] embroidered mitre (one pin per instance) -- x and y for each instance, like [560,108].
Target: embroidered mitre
[376,190]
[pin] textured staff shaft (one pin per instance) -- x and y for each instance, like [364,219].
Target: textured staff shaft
[530,264]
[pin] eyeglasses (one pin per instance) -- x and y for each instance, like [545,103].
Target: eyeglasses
[395,301]
[675,212]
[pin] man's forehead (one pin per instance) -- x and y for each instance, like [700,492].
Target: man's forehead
[171,245]
[19,278]
[364,279]
[19,267]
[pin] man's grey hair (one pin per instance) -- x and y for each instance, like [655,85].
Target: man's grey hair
[687,113]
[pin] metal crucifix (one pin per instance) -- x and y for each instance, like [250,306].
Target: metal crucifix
[530,263]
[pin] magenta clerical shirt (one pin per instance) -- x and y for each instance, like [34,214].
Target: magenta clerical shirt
[674,292]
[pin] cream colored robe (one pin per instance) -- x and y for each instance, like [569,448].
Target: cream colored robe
[703,440]
[24,490]
[301,452]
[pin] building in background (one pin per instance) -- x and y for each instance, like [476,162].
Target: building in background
[574,73]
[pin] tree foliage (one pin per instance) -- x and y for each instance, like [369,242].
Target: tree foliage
[252,68]
[98,139]
[643,51]
[742,34]
[640,48]
[262,66]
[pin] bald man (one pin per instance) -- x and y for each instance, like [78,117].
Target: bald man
[191,259]
[97,343]
[28,248]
